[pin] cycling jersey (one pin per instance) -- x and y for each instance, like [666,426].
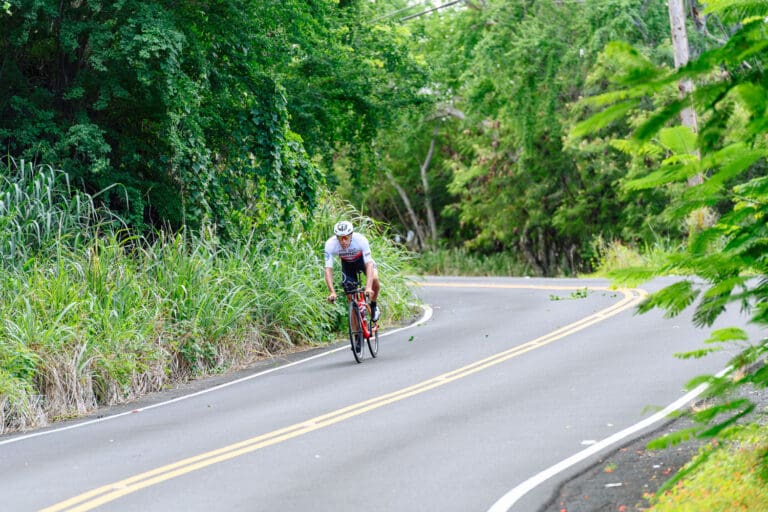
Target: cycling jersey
[353,258]
[358,250]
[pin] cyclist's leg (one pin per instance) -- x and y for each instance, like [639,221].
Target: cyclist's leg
[375,283]
[375,288]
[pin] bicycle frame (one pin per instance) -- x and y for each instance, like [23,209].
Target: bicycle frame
[357,296]
[362,330]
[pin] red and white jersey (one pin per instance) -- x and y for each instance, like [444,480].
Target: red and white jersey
[358,248]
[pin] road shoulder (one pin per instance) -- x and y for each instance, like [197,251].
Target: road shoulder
[623,479]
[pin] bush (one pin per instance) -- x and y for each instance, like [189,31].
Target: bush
[454,262]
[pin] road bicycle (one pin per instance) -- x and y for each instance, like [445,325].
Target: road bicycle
[362,328]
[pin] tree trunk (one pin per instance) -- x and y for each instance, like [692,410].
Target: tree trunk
[680,45]
[425,184]
[525,242]
[411,212]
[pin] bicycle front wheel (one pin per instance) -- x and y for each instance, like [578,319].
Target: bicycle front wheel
[373,340]
[356,332]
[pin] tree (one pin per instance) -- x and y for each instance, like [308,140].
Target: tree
[202,111]
[514,182]
[727,261]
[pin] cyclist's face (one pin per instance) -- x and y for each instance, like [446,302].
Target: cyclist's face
[344,241]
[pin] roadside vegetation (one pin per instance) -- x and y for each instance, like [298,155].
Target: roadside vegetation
[718,175]
[462,262]
[93,314]
[206,148]
[725,477]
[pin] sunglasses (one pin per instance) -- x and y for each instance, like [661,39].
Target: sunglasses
[344,238]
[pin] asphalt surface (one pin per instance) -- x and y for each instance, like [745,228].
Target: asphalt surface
[625,479]
[509,378]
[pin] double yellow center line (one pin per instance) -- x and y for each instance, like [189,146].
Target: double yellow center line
[107,493]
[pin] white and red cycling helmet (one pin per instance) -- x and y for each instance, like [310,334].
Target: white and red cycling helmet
[343,228]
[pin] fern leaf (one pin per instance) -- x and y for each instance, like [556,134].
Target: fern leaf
[602,119]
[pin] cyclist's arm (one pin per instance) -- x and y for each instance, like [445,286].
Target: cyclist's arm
[328,254]
[329,278]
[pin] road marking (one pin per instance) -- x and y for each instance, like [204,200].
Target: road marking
[425,317]
[110,492]
[505,503]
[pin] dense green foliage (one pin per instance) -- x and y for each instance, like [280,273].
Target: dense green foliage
[95,316]
[505,175]
[462,262]
[725,257]
[202,111]
[224,121]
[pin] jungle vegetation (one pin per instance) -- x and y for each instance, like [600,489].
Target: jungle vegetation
[162,157]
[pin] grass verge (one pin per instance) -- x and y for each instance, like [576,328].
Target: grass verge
[729,476]
[93,314]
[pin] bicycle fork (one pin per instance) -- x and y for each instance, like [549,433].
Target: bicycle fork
[367,329]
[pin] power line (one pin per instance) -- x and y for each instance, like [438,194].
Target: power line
[393,13]
[448,5]
[431,10]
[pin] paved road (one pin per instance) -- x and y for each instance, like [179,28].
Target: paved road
[507,378]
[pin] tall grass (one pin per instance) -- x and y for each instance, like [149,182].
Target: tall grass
[610,257]
[94,315]
[460,262]
[39,209]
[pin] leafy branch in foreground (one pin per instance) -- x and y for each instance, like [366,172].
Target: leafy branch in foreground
[727,256]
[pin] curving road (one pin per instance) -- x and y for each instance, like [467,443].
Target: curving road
[505,381]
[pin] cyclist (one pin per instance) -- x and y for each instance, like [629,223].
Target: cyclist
[355,255]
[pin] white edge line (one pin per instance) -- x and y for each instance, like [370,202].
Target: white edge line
[425,317]
[509,499]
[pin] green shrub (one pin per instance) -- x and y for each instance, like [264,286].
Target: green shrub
[459,261]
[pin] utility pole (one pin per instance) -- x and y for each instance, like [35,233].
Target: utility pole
[680,47]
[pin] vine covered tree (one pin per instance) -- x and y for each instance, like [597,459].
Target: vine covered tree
[507,176]
[202,111]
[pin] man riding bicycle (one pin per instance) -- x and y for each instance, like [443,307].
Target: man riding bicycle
[355,255]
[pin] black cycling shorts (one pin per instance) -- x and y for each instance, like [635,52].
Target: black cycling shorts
[350,271]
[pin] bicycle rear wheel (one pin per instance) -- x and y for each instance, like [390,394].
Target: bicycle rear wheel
[356,332]
[373,340]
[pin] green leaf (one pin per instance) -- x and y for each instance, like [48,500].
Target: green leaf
[603,118]
[678,139]
[664,174]
[752,97]
[743,406]
[673,438]
[709,309]
[659,119]
[635,68]
[741,8]
[674,298]
[730,162]
[724,287]
[697,354]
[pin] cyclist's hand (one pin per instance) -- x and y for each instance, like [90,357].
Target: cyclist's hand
[368,293]
[332,297]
